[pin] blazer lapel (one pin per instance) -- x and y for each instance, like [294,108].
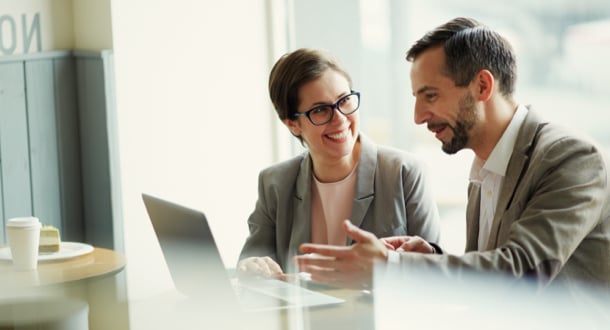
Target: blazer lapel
[301,203]
[472,216]
[516,165]
[365,181]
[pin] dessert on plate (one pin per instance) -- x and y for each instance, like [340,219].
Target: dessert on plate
[49,240]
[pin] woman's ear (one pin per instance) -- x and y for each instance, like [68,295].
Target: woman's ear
[293,126]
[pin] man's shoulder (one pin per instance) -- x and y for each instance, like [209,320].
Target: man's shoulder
[559,148]
[551,134]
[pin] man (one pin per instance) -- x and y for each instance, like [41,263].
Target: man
[538,204]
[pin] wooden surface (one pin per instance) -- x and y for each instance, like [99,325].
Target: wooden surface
[100,262]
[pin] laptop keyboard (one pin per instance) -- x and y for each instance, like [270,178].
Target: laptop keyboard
[251,299]
[270,294]
[275,294]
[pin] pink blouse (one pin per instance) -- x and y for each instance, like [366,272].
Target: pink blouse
[331,203]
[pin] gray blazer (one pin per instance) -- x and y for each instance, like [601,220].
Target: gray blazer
[391,198]
[552,220]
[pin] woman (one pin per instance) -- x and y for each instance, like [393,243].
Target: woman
[343,175]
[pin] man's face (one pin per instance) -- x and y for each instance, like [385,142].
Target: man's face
[450,112]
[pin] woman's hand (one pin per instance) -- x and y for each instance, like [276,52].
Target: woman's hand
[259,267]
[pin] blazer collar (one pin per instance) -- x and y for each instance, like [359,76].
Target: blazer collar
[472,217]
[303,183]
[516,167]
[301,222]
[363,194]
[365,182]
[365,172]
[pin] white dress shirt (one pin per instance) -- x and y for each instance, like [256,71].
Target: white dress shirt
[489,174]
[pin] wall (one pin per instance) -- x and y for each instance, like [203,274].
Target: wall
[55,25]
[194,122]
[92,24]
[194,118]
[43,82]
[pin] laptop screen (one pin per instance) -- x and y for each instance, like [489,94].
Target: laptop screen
[190,251]
[197,269]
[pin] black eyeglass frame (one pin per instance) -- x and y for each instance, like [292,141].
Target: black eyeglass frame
[332,106]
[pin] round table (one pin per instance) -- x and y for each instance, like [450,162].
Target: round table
[99,262]
[90,282]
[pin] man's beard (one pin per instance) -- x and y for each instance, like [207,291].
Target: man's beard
[466,119]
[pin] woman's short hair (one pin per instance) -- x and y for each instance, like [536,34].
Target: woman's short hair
[292,71]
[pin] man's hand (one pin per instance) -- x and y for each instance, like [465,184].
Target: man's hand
[407,244]
[344,266]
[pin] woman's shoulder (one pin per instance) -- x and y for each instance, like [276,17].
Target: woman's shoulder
[386,156]
[391,155]
[284,168]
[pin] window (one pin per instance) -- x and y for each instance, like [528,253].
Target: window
[561,46]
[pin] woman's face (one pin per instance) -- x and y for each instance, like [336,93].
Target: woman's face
[336,139]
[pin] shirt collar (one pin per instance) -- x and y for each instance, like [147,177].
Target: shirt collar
[500,155]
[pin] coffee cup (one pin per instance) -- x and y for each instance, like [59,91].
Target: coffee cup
[23,236]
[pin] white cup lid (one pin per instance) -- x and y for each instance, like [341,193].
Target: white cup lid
[23,222]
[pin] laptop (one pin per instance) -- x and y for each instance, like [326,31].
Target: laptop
[197,270]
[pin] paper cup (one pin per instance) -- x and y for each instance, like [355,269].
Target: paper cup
[23,236]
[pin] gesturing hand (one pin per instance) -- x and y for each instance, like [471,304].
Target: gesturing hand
[344,266]
[407,244]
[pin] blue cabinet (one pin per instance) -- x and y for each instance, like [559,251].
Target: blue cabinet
[57,155]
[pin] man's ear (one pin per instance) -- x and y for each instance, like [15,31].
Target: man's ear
[293,126]
[485,85]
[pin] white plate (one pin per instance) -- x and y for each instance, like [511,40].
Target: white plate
[66,250]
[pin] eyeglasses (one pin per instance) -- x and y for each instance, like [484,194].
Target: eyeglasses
[323,114]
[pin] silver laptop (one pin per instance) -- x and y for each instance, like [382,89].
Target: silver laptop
[197,270]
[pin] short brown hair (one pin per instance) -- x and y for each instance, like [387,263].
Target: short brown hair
[292,71]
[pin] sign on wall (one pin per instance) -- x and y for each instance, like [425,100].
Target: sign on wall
[20,34]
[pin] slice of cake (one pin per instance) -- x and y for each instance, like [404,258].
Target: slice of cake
[49,239]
